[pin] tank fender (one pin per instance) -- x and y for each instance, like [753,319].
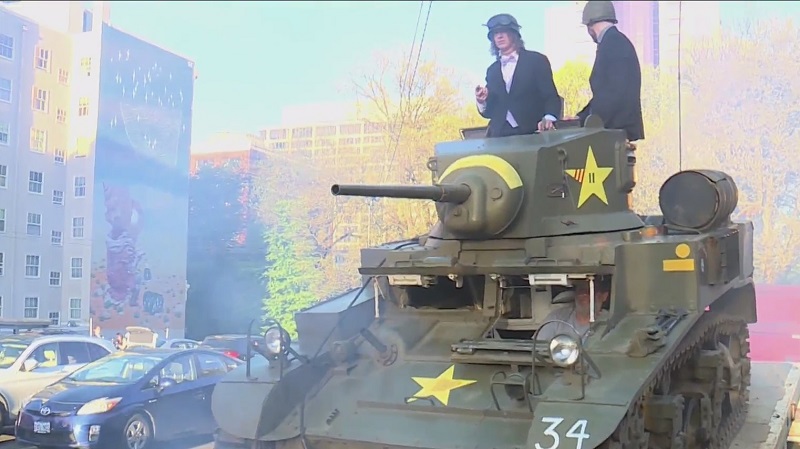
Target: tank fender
[567,425]
[270,400]
[247,398]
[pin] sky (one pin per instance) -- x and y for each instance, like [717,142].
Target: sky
[255,58]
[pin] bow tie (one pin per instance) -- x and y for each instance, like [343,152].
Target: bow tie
[506,59]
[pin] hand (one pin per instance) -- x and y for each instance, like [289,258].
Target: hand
[546,125]
[481,94]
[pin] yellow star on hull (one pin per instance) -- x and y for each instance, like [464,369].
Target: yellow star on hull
[439,387]
[591,179]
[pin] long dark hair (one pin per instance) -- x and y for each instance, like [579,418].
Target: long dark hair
[516,41]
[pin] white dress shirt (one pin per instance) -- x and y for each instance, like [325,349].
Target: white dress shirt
[508,64]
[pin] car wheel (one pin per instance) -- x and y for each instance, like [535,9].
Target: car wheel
[138,432]
[4,418]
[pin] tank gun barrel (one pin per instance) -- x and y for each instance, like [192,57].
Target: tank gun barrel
[444,193]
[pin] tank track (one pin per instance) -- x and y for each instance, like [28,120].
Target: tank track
[631,432]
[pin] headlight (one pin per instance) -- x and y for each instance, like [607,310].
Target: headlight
[564,350]
[101,405]
[276,341]
[28,400]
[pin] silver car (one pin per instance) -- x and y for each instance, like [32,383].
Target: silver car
[29,362]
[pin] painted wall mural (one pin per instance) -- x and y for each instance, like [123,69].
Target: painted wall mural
[141,196]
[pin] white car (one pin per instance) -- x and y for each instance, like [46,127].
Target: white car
[29,362]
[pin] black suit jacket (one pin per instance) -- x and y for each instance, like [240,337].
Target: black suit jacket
[616,83]
[533,94]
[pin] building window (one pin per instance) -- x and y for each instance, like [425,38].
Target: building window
[77,227]
[55,279]
[5,133]
[58,197]
[74,308]
[350,129]
[2,220]
[38,140]
[76,268]
[61,115]
[6,46]
[301,133]
[34,226]
[63,76]
[58,156]
[56,237]
[374,128]
[41,100]
[79,185]
[5,90]
[2,263]
[32,266]
[35,181]
[55,318]
[82,147]
[3,176]
[86,65]
[31,307]
[277,134]
[83,107]
[43,59]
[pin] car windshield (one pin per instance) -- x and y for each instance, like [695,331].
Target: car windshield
[224,342]
[123,368]
[10,350]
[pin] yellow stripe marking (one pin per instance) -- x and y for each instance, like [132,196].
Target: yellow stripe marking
[678,265]
[794,432]
[494,163]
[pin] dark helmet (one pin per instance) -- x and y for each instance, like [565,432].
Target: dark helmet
[599,11]
[502,22]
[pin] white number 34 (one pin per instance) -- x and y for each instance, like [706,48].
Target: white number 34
[577,431]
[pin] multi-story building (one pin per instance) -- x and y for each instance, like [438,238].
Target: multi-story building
[565,38]
[652,26]
[239,151]
[350,146]
[94,158]
[680,24]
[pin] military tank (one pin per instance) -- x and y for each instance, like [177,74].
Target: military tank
[478,335]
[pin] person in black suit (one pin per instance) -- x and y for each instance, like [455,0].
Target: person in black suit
[616,78]
[520,96]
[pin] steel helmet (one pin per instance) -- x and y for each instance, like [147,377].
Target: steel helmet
[599,11]
[502,22]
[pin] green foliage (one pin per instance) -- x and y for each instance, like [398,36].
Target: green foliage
[292,275]
[572,82]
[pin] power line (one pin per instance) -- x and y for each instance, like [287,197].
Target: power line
[680,111]
[409,86]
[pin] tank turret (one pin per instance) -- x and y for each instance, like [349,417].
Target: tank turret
[564,182]
[540,311]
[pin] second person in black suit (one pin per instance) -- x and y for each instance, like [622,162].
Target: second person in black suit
[520,96]
[616,78]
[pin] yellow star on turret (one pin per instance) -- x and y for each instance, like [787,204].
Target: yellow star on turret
[591,179]
[439,387]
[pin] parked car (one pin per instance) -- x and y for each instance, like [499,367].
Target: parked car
[233,345]
[31,361]
[137,397]
[178,343]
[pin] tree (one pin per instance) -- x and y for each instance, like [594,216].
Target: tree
[740,99]
[224,284]
[572,82]
[292,278]
[303,184]
[421,102]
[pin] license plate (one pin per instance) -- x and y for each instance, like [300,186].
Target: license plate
[41,427]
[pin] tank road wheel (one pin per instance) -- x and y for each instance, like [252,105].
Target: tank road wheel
[630,434]
[714,379]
